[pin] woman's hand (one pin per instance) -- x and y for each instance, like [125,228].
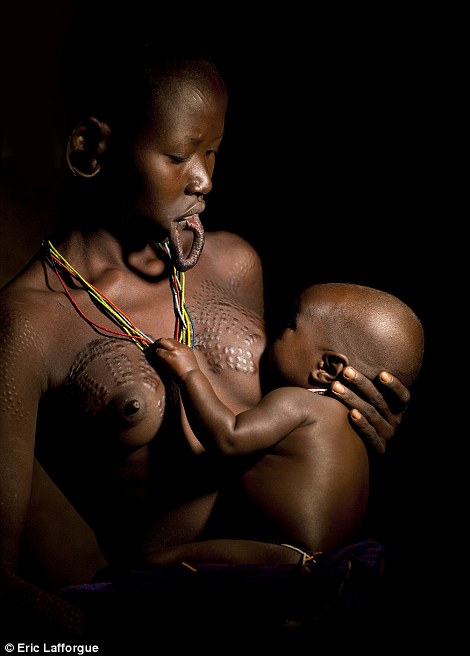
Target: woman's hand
[376,407]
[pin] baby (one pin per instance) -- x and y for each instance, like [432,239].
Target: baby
[306,483]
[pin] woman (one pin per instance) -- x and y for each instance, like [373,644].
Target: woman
[130,263]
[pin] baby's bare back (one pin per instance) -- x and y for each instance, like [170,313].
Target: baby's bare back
[311,489]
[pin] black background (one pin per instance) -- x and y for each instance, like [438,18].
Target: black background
[333,166]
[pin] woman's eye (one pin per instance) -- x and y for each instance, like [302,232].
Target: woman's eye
[178,159]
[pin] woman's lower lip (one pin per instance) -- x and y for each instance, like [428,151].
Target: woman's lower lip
[193,225]
[187,223]
[192,221]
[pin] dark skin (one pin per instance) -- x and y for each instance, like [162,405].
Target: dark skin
[307,482]
[87,403]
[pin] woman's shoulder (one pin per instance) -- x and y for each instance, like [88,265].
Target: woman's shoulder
[218,238]
[223,248]
[235,264]
[26,303]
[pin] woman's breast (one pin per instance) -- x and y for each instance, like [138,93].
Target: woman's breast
[115,387]
[230,339]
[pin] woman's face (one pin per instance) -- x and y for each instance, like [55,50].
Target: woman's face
[172,165]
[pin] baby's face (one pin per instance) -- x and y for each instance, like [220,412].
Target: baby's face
[292,355]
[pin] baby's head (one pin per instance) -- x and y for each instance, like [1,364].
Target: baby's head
[339,324]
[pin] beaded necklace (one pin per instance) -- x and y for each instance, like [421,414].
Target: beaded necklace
[184,327]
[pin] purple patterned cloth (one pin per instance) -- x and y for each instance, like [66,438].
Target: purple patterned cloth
[239,600]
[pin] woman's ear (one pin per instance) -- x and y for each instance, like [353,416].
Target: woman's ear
[331,365]
[86,146]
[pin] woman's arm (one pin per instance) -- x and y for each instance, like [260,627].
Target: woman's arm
[26,608]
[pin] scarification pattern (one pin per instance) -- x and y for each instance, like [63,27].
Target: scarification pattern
[20,343]
[227,332]
[107,365]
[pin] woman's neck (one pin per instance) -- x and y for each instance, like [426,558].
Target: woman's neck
[92,252]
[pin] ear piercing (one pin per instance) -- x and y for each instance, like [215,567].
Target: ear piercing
[96,168]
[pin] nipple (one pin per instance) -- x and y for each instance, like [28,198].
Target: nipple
[127,409]
[135,416]
[131,407]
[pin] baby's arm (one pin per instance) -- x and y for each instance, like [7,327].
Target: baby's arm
[215,425]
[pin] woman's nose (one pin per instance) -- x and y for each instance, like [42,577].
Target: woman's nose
[200,181]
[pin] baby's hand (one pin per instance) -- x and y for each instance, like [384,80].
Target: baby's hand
[178,358]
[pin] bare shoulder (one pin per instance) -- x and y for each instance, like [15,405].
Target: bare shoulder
[328,416]
[315,424]
[220,237]
[227,248]
[338,435]
[328,411]
[234,262]
[312,401]
[26,307]
[306,407]
[19,300]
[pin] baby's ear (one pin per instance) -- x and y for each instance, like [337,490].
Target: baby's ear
[331,365]
[86,147]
